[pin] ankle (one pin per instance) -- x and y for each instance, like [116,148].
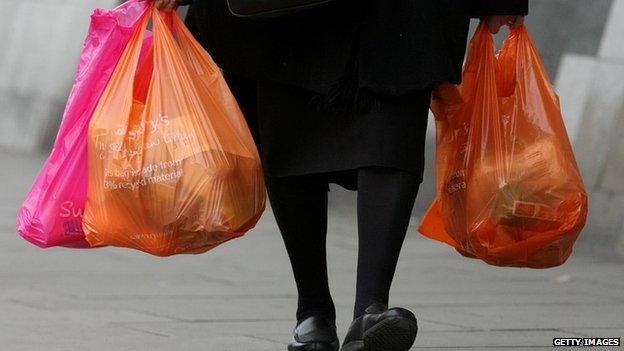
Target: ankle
[330,315]
[316,306]
[362,306]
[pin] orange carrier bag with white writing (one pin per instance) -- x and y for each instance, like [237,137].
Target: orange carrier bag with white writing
[509,191]
[173,168]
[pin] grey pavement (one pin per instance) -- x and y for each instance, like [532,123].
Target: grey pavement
[241,296]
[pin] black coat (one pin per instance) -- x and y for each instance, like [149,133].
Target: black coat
[394,46]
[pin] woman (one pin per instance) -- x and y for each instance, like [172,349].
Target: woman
[340,94]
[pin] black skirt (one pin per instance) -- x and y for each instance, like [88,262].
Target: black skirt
[294,138]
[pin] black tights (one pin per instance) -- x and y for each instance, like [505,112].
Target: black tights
[385,201]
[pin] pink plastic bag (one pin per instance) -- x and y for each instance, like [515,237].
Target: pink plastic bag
[51,215]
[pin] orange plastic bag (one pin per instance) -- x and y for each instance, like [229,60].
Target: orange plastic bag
[172,165]
[509,191]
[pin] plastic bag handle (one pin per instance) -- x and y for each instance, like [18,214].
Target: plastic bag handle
[480,80]
[481,46]
[132,54]
[191,48]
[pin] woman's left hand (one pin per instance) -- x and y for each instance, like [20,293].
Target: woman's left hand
[496,22]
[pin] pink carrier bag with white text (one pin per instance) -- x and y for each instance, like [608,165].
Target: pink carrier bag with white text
[51,215]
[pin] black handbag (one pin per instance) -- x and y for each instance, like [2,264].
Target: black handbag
[264,9]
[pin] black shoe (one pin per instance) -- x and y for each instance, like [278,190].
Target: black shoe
[315,333]
[382,329]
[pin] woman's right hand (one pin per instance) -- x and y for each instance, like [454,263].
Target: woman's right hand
[166,5]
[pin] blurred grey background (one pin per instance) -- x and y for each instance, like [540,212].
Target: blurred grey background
[241,296]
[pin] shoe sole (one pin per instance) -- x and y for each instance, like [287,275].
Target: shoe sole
[314,346]
[395,333]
